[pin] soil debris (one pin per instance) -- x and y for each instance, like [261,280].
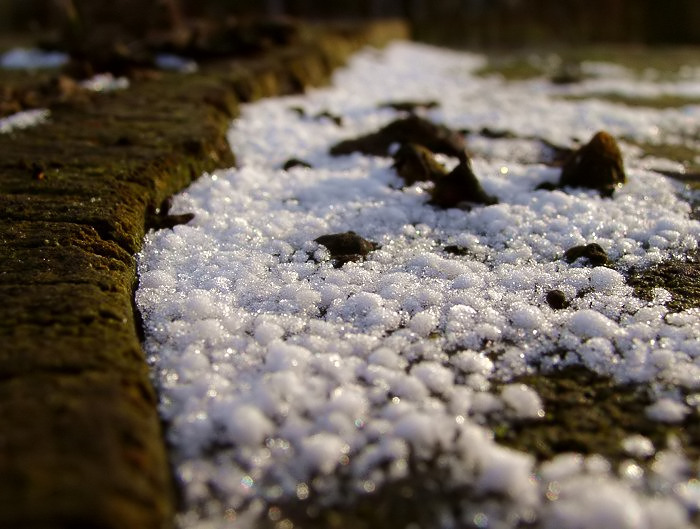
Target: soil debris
[594,252]
[414,163]
[412,129]
[596,165]
[460,185]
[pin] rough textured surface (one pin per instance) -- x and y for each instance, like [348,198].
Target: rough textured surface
[81,439]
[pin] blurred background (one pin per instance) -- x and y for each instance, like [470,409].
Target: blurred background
[464,23]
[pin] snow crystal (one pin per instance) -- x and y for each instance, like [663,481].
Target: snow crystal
[283,378]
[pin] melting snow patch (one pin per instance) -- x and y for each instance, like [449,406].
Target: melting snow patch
[284,378]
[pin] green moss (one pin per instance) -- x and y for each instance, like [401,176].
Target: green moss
[511,68]
[660,102]
[684,154]
[590,414]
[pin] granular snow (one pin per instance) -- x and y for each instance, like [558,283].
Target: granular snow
[285,379]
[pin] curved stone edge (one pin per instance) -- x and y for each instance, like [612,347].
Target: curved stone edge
[81,442]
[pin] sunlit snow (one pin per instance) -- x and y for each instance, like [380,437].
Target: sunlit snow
[283,378]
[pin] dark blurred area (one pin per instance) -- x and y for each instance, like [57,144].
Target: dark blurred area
[472,23]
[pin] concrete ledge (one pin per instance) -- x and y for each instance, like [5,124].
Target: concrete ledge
[81,441]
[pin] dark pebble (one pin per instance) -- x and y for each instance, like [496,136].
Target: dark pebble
[338,120]
[410,106]
[456,250]
[295,162]
[461,185]
[596,165]
[557,299]
[593,252]
[412,129]
[414,163]
[347,246]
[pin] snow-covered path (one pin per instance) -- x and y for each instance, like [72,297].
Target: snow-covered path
[285,379]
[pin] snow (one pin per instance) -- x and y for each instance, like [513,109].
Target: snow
[283,378]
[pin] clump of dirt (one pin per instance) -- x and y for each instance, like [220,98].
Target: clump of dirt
[347,246]
[596,165]
[459,186]
[593,252]
[412,129]
[414,163]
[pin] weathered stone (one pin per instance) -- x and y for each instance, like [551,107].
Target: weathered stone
[414,163]
[460,185]
[596,165]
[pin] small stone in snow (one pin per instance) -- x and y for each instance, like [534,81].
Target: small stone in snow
[346,247]
[593,252]
[414,163]
[338,120]
[410,106]
[596,165]
[557,299]
[412,129]
[461,185]
[295,162]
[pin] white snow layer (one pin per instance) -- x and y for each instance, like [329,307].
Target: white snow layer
[283,378]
